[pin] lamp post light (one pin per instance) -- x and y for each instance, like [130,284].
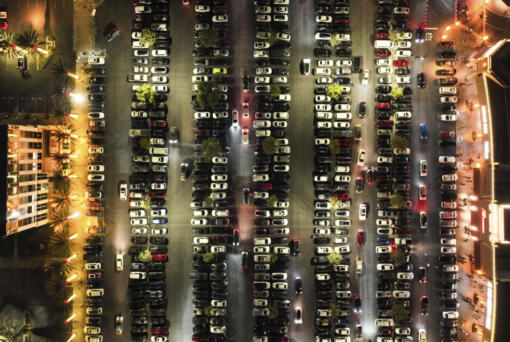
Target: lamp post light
[72,115]
[68,300]
[71,278]
[69,319]
[70,74]
[74,236]
[73,336]
[71,258]
[38,49]
[76,97]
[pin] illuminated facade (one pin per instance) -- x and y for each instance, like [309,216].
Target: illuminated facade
[24,168]
[491,215]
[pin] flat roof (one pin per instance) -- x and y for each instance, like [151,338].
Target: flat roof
[499,63]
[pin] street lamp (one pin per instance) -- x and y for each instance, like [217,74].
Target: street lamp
[69,319]
[74,236]
[71,115]
[71,257]
[41,50]
[76,97]
[71,278]
[68,300]
[70,74]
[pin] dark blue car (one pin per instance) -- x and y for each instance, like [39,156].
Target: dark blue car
[423,132]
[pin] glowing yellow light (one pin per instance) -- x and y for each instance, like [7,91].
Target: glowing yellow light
[70,74]
[473,228]
[69,319]
[485,37]
[75,136]
[76,97]
[473,207]
[444,36]
[68,300]
[71,278]
[74,236]
[478,165]
[73,156]
[73,215]
[72,115]
[477,105]
[457,23]
[473,197]
[73,197]
[447,28]
[71,176]
[73,336]
[74,256]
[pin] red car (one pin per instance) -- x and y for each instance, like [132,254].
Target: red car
[218,239]
[446,134]
[157,194]
[383,105]
[266,186]
[383,53]
[159,331]
[447,43]
[401,63]
[185,3]
[384,124]
[361,237]
[4,24]
[159,123]
[159,257]
[382,35]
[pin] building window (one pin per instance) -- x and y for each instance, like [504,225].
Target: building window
[42,206]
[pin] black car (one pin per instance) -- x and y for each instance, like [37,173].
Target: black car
[422,83]
[111,31]
[294,247]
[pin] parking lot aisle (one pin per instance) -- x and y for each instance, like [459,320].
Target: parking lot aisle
[180,115]
[117,160]
[241,37]
[300,133]
[364,284]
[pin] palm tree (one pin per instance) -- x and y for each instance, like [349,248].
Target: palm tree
[9,51]
[62,105]
[60,244]
[56,286]
[59,220]
[60,181]
[59,69]
[63,133]
[59,265]
[62,160]
[61,199]
[28,39]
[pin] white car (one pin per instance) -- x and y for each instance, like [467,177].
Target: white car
[261,45]
[138,221]
[123,191]
[361,157]
[423,168]
[96,177]
[448,99]
[324,80]
[137,213]
[383,62]
[260,53]
[159,79]
[362,211]
[324,19]
[202,8]
[448,117]
[385,70]
[139,230]
[385,267]
[220,18]
[324,63]
[365,77]
[447,90]
[119,262]
[95,168]
[403,79]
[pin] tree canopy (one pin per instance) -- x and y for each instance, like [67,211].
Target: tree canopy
[148,37]
[145,93]
[335,90]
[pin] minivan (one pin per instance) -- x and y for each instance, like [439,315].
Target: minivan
[383,44]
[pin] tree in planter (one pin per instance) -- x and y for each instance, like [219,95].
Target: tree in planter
[59,220]
[9,51]
[275,91]
[60,265]
[397,201]
[62,105]
[335,258]
[398,257]
[27,39]
[208,38]
[207,257]
[270,145]
[62,199]
[335,202]
[397,92]
[399,312]
[64,134]
[145,255]
[59,243]
[271,201]
[62,160]
[398,141]
[210,148]
[274,257]
[208,94]
[394,35]
[60,182]
[145,143]
[59,70]
[335,91]
[334,146]
[148,37]
[145,93]
[335,40]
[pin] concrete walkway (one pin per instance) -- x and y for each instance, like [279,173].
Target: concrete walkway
[22,262]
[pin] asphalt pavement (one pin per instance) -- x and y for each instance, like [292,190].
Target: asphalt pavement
[300,131]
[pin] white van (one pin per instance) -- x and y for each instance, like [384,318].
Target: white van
[359,265]
[93,266]
[343,116]
[383,44]
[422,335]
